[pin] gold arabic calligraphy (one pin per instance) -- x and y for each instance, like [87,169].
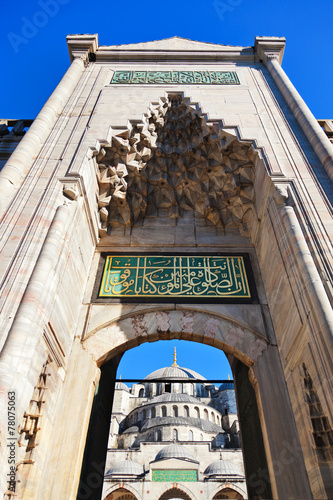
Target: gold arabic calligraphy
[174,276]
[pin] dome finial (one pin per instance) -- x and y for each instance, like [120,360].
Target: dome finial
[174,357]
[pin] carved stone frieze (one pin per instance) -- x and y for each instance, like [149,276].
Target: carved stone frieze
[172,162]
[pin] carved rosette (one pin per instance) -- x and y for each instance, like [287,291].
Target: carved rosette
[173,162]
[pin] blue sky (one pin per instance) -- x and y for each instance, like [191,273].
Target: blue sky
[34,52]
[35,57]
[210,362]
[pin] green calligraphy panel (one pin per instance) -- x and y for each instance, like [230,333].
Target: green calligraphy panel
[174,476]
[170,276]
[185,77]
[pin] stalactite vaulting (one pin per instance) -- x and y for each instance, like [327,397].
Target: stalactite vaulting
[174,161]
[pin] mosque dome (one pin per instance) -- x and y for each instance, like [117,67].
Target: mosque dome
[174,372]
[125,467]
[175,451]
[223,468]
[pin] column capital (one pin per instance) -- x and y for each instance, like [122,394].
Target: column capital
[80,46]
[268,48]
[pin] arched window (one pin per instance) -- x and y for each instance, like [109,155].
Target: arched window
[197,412]
[205,414]
[158,435]
[190,435]
[141,393]
[186,411]
[167,387]
[213,417]
[175,435]
[153,412]
[164,411]
[175,411]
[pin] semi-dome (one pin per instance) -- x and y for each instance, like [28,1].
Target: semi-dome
[174,372]
[174,397]
[199,423]
[125,467]
[175,451]
[223,468]
[133,428]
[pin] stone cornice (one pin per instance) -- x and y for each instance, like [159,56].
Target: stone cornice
[82,45]
[239,54]
[269,47]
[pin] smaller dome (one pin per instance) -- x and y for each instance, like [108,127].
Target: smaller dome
[120,385]
[223,468]
[175,451]
[126,467]
[227,385]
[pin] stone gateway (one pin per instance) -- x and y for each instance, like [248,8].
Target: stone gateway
[167,190]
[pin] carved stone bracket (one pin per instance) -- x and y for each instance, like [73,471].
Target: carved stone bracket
[72,186]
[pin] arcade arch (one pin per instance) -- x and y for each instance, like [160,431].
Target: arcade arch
[120,493]
[228,493]
[177,493]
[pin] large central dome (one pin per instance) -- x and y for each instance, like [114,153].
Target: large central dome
[174,372]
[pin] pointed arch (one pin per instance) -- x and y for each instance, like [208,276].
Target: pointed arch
[233,490]
[115,337]
[118,491]
[176,489]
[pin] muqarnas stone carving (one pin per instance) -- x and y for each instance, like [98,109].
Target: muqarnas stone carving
[172,162]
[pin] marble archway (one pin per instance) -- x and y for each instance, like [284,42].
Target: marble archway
[188,324]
